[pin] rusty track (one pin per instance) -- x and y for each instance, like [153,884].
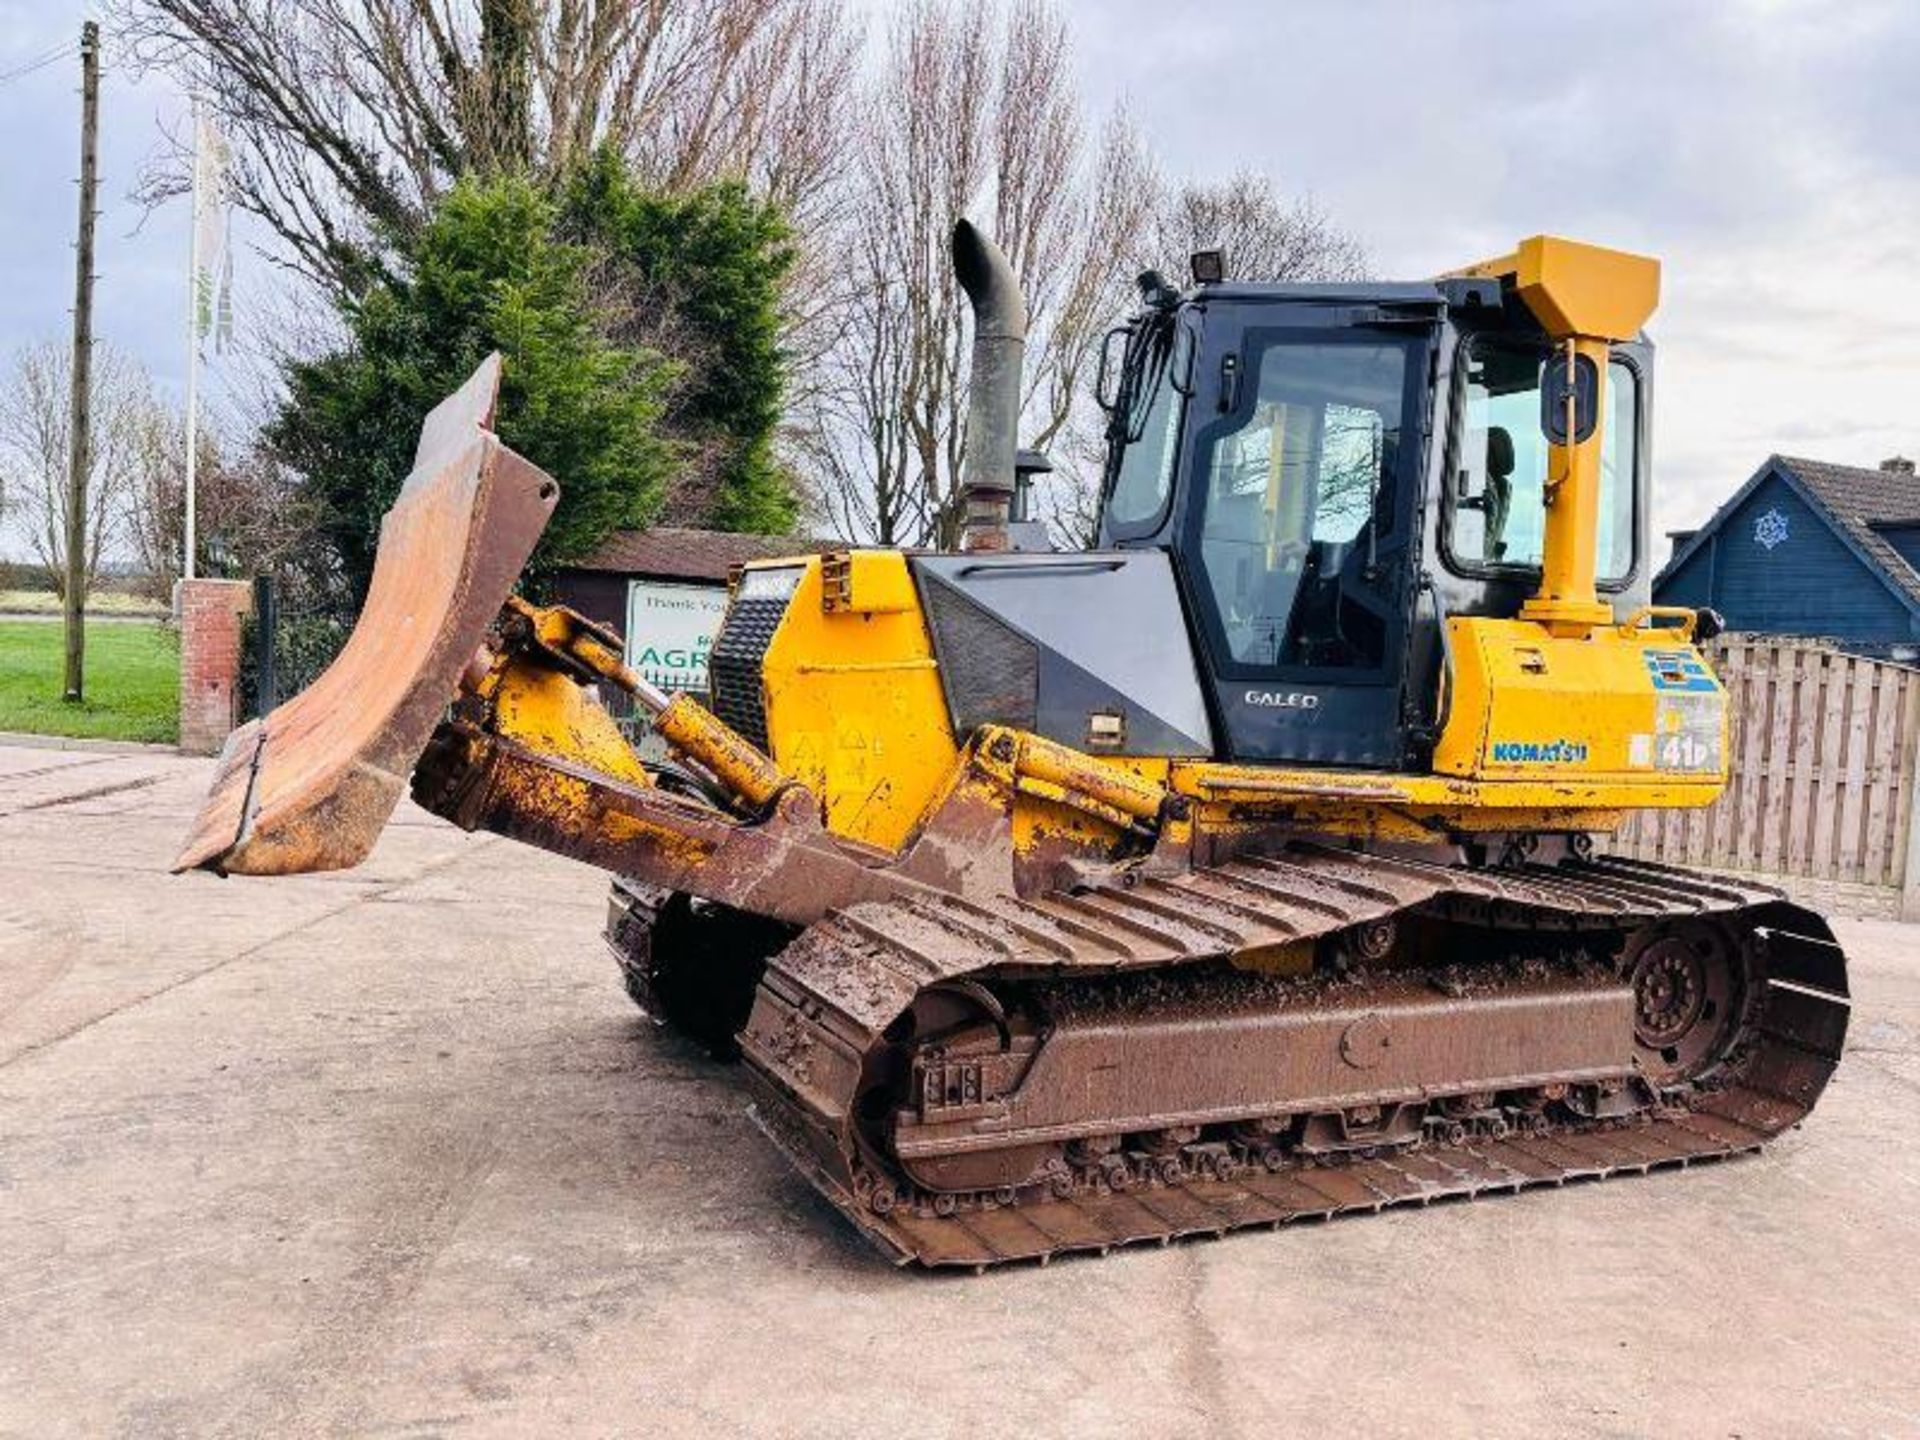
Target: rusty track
[823,1066]
[694,967]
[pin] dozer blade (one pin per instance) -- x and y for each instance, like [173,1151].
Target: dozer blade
[310,786]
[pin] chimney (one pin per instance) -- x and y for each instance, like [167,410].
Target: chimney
[988,479]
[1898,465]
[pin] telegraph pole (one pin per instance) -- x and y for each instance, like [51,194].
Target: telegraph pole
[80,438]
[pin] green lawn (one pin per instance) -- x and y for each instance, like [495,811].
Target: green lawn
[133,682]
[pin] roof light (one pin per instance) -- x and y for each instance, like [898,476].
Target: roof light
[1209,266]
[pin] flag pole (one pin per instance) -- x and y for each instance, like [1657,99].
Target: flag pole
[193,342]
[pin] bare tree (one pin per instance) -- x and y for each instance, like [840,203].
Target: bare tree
[35,426]
[972,111]
[252,518]
[1265,237]
[349,117]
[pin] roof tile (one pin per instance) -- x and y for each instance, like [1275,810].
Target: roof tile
[1858,499]
[676,553]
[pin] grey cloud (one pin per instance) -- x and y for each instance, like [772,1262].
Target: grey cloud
[1768,152]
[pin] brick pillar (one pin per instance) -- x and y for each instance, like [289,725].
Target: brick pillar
[210,613]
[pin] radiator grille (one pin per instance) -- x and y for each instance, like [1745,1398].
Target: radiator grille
[734,664]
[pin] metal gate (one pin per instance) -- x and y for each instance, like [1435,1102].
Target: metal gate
[292,635]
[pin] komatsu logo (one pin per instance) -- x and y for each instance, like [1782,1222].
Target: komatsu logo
[1538,752]
[1283,699]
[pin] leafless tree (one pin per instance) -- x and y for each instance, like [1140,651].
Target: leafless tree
[250,516]
[349,117]
[973,111]
[35,429]
[1265,237]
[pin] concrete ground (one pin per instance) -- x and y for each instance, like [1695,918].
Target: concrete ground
[389,1153]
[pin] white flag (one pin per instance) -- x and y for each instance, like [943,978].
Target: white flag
[213,263]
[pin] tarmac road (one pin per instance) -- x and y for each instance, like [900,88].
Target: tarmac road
[389,1153]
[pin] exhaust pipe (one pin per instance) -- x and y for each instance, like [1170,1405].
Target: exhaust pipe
[993,406]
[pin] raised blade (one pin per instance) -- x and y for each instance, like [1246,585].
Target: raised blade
[310,786]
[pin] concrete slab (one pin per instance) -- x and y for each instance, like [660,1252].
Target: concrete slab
[389,1153]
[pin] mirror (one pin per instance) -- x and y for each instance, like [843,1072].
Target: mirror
[1107,377]
[1554,393]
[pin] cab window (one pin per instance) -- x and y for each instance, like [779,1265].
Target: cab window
[1143,479]
[1292,502]
[1497,518]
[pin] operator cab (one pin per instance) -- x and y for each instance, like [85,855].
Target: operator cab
[1334,469]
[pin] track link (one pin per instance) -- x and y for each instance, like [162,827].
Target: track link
[816,1044]
[993,1233]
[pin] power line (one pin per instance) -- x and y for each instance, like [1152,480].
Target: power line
[63,52]
[63,47]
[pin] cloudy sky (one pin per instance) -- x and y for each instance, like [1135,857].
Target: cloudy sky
[141,299]
[1767,150]
[1768,153]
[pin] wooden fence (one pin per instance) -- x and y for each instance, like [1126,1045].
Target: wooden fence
[1822,747]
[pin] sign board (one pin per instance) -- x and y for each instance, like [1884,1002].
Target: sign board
[670,629]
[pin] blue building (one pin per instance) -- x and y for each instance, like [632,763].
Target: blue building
[1807,548]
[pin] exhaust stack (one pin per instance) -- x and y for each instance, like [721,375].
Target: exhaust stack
[993,407]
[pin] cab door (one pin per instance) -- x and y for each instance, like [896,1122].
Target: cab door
[1302,468]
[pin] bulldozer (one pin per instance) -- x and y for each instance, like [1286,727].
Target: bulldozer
[1247,868]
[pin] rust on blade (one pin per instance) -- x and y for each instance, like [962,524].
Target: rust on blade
[310,786]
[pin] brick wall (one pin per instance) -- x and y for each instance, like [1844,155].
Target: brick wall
[210,612]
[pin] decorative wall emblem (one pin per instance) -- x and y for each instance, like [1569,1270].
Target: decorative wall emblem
[1770,529]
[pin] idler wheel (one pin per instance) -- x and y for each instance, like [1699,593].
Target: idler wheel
[1685,1002]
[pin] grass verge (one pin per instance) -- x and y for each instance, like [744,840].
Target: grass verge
[133,682]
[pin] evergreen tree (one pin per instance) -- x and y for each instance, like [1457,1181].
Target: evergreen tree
[706,267]
[642,366]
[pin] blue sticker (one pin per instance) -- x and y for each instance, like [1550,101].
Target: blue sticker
[1678,670]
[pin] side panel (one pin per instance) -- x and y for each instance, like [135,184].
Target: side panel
[1090,650]
[1312,722]
[852,700]
[1642,708]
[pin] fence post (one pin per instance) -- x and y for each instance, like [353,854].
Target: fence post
[266,690]
[1910,856]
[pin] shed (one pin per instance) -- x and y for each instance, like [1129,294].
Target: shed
[597,586]
[1808,548]
[665,590]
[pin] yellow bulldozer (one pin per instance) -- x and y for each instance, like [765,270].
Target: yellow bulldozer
[1247,868]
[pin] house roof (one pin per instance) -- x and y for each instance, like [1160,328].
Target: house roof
[676,553]
[1857,502]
